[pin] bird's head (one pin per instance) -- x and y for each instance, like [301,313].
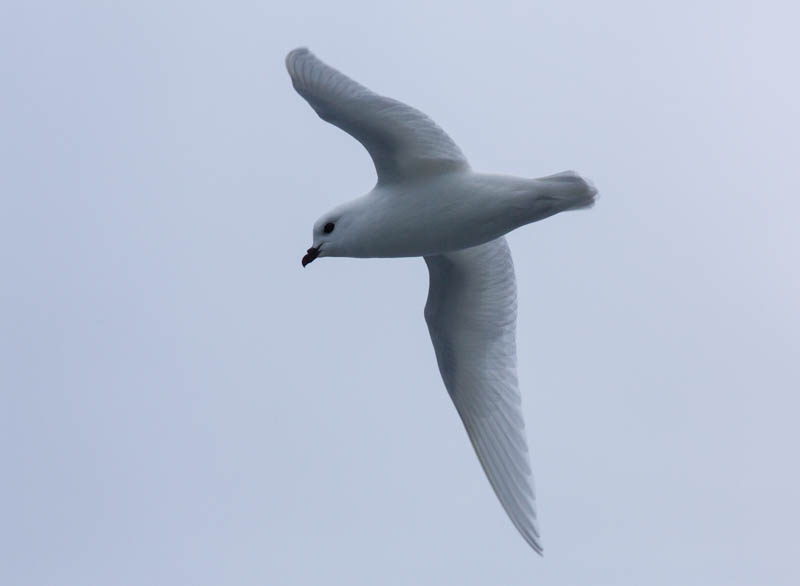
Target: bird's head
[338,233]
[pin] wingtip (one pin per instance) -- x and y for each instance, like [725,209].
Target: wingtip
[295,53]
[296,61]
[531,537]
[535,546]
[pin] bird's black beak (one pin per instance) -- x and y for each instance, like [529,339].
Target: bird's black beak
[311,254]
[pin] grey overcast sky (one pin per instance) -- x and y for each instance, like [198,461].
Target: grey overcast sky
[182,404]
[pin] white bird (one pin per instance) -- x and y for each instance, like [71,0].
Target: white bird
[428,202]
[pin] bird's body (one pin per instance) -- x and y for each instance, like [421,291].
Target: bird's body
[405,218]
[428,202]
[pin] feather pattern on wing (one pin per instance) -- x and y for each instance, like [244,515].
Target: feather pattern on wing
[471,313]
[402,141]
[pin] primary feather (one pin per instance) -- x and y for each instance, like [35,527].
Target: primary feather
[471,313]
[402,141]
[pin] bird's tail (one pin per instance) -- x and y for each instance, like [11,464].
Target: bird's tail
[567,191]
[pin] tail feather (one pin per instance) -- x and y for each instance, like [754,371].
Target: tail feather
[569,191]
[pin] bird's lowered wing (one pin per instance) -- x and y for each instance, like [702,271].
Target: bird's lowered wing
[402,141]
[471,313]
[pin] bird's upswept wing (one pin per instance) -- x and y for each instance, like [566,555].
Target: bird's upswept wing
[471,313]
[402,141]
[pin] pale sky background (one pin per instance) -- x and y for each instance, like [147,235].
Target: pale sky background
[182,404]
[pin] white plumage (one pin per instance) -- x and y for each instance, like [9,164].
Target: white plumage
[428,202]
[400,139]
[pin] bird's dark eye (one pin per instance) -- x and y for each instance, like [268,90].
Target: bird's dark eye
[328,228]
